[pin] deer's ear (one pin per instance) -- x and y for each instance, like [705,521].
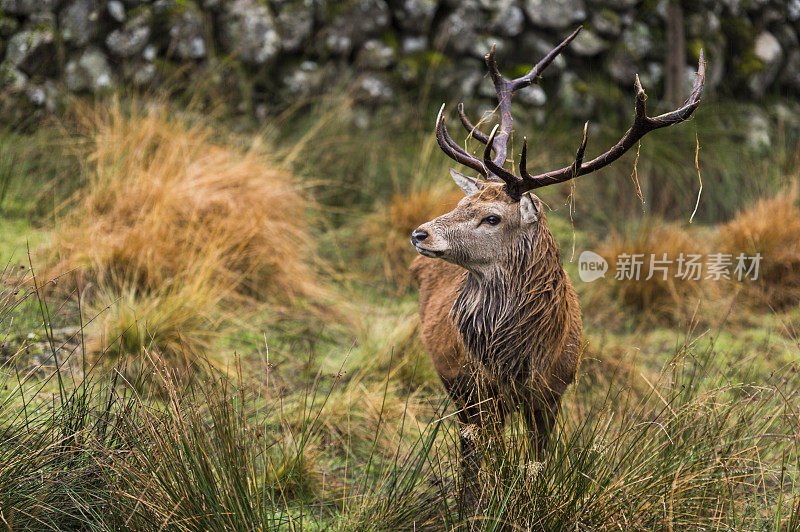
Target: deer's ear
[468,184]
[530,208]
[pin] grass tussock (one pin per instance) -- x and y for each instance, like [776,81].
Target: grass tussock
[174,323]
[650,291]
[770,228]
[163,195]
[212,448]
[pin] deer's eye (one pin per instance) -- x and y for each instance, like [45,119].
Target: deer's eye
[491,220]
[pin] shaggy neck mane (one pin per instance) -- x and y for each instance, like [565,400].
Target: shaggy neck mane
[511,317]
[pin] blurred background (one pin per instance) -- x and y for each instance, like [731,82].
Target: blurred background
[205,210]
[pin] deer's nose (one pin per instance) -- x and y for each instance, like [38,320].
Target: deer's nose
[418,236]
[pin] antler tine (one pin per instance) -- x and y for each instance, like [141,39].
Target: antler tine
[512,181]
[523,159]
[530,77]
[523,162]
[453,150]
[491,64]
[642,125]
[471,129]
[581,149]
[505,89]
[641,101]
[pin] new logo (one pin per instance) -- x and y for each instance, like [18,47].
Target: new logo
[591,266]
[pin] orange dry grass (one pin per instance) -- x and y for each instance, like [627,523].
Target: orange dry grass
[656,297]
[387,231]
[771,228]
[164,198]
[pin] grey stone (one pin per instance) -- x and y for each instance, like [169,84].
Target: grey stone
[42,18]
[556,14]
[413,44]
[408,72]
[31,51]
[636,40]
[787,113]
[652,75]
[89,72]
[615,4]
[27,7]
[338,43]
[8,25]
[131,39]
[461,79]
[248,30]
[577,102]
[768,50]
[757,136]
[532,95]
[733,6]
[187,35]
[703,24]
[143,74]
[607,23]
[772,17]
[42,95]
[588,44]
[116,10]
[150,52]
[793,10]
[375,55]
[295,22]
[790,75]
[787,37]
[356,22]
[622,67]
[375,88]
[12,78]
[36,95]
[165,7]
[457,32]
[507,20]
[415,15]
[79,22]
[303,79]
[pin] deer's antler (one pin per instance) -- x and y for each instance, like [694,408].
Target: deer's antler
[504,89]
[642,125]
[492,169]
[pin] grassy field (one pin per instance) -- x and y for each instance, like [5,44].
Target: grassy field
[207,324]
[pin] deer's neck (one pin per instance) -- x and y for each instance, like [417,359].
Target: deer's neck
[510,318]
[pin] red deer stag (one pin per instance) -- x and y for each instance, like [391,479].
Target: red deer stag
[500,317]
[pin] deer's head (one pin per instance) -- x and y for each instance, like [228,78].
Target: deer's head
[499,210]
[483,230]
